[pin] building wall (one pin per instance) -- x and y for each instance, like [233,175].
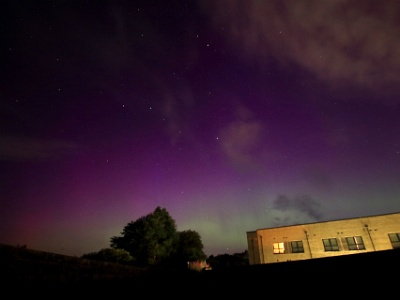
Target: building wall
[372,231]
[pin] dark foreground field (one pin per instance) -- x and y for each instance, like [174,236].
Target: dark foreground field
[27,272]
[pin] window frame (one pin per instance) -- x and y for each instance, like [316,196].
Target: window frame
[280,249]
[394,239]
[330,246]
[355,243]
[297,246]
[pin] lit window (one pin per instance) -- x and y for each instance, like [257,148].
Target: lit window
[395,240]
[330,244]
[279,248]
[355,243]
[297,247]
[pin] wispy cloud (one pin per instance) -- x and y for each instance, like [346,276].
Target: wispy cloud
[344,43]
[239,140]
[13,148]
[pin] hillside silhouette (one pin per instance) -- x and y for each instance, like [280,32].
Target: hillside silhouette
[43,272]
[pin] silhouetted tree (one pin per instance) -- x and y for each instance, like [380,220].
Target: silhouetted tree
[110,255]
[221,261]
[149,239]
[189,248]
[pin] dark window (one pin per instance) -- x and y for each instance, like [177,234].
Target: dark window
[355,243]
[330,244]
[297,247]
[395,240]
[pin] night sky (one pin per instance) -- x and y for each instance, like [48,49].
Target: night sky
[231,115]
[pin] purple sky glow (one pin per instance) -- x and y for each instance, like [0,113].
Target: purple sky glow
[232,115]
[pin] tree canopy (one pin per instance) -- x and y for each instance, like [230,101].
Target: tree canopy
[153,239]
[190,246]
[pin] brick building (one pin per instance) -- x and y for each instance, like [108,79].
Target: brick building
[324,239]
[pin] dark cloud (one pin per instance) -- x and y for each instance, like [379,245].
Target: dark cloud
[303,205]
